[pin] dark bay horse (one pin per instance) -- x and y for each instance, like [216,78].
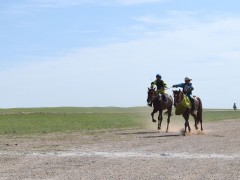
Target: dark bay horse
[196,113]
[160,105]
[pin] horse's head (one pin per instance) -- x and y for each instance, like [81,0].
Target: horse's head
[151,94]
[178,97]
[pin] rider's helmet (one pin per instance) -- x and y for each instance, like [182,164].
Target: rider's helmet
[158,76]
[187,79]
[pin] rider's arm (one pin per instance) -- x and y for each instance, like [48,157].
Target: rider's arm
[153,83]
[178,85]
[190,86]
[164,84]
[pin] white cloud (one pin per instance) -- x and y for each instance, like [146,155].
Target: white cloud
[119,74]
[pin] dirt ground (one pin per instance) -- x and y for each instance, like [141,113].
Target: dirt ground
[128,154]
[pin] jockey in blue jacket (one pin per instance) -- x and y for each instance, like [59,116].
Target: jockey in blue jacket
[187,90]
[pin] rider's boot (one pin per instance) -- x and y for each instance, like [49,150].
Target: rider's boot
[164,98]
[150,104]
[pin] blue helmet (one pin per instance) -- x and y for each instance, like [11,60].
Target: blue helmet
[158,75]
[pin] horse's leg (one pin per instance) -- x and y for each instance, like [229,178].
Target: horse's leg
[196,120]
[199,113]
[185,124]
[160,119]
[186,117]
[169,112]
[152,114]
[199,116]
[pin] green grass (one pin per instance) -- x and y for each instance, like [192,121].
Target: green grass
[86,120]
[64,120]
[217,115]
[76,110]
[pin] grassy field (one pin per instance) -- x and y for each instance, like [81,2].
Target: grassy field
[86,120]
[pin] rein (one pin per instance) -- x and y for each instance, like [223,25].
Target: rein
[154,96]
[177,96]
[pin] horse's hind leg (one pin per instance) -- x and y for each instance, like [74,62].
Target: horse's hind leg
[196,120]
[200,120]
[201,125]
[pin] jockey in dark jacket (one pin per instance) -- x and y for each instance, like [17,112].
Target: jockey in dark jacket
[187,90]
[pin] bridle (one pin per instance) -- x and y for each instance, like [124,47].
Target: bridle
[178,97]
[152,94]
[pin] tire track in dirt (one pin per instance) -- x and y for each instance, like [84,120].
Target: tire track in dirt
[125,155]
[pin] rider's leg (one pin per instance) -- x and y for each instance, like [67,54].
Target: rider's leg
[164,97]
[192,101]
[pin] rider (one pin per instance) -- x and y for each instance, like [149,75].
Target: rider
[161,85]
[234,106]
[187,90]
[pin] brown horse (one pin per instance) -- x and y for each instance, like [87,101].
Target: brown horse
[196,113]
[160,105]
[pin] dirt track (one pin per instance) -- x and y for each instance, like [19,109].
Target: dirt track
[130,154]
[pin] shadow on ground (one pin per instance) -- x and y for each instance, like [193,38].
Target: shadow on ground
[149,133]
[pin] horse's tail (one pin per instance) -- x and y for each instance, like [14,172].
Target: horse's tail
[200,110]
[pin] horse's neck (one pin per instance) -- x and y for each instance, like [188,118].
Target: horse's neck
[156,97]
[182,96]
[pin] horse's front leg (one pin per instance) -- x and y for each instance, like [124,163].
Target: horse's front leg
[186,117]
[168,119]
[152,114]
[160,119]
[153,120]
[187,126]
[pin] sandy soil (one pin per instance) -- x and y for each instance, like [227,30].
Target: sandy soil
[128,154]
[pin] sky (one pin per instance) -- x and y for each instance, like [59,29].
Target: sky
[89,53]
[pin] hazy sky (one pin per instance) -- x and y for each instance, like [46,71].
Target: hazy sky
[107,52]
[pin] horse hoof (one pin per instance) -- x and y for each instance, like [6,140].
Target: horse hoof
[154,121]
[166,131]
[159,128]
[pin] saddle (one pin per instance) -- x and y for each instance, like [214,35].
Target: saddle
[189,104]
[166,96]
